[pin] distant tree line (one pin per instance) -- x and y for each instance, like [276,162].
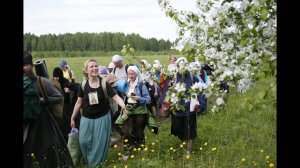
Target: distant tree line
[105,41]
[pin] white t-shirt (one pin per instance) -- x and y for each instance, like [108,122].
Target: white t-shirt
[121,73]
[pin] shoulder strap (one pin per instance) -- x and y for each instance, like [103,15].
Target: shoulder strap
[103,85]
[114,70]
[126,67]
[83,84]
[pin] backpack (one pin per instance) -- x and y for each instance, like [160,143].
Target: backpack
[58,108]
[126,67]
[103,85]
[32,106]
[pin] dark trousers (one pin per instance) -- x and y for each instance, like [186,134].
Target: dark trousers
[134,128]
[114,126]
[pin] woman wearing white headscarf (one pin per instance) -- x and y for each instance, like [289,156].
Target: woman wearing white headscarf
[137,97]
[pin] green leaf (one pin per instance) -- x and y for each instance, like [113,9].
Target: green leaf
[253,10]
[264,13]
[261,1]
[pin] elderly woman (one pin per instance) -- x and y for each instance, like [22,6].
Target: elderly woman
[95,123]
[137,97]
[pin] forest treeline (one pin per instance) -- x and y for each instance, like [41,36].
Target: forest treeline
[105,41]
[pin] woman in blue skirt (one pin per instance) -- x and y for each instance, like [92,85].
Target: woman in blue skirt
[95,123]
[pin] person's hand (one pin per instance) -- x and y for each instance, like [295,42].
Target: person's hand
[67,90]
[125,110]
[135,97]
[72,123]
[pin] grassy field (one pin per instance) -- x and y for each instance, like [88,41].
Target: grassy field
[76,63]
[242,135]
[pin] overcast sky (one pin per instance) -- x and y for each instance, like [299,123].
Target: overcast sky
[129,16]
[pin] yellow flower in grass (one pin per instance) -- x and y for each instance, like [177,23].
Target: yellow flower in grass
[171,148]
[153,143]
[146,149]
[267,157]
[132,156]
[135,149]
[183,143]
[187,157]
[243,159]
[143,159]
[142,145]
[152,150]
[261,151]
[115,166]
[119,154]
[115,146]
[139,149]
[213,149]
[125,166]
[181,146]
[152,130]
[271,165]
[200,148]
[32,154]
[205,143]
[126,140]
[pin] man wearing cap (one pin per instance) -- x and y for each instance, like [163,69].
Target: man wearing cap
[120,69]
[68,73]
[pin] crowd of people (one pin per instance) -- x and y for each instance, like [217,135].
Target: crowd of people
[120,97]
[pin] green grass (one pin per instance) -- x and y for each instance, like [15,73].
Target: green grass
[236,132]
[76,63]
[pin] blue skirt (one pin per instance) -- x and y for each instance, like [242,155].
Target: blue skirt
[94,137]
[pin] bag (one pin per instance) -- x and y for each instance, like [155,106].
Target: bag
[74,147]
[165,109]
[58,108]
[163,82]
[32,106]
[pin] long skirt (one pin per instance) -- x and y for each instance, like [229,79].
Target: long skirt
[45,145]
[184,127]
[94,136]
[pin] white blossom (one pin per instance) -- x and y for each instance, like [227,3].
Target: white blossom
[219,101]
